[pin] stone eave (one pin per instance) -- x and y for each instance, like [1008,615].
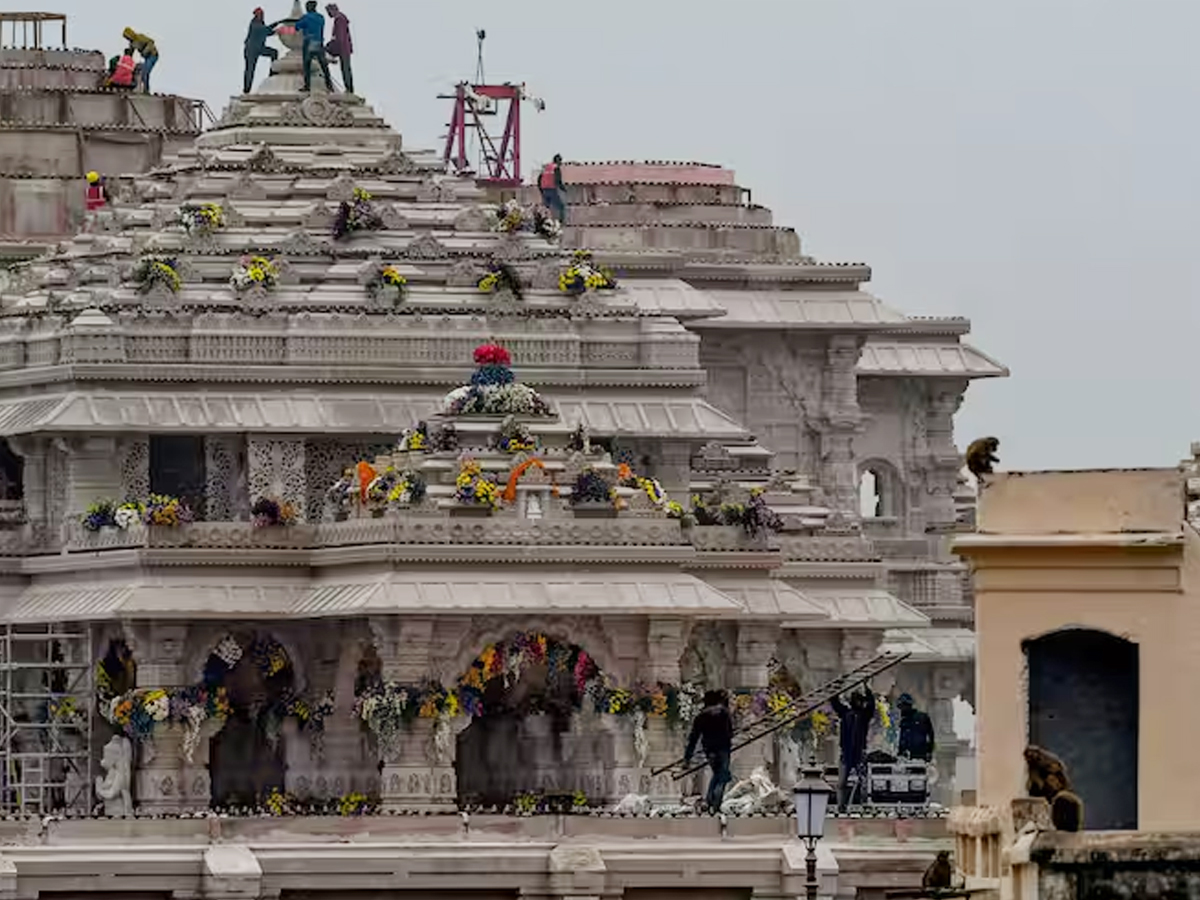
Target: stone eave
[929,359]
[981,543]
[207,412]
[89,375]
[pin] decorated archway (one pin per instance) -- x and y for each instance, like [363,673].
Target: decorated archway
[247,762]
[522,693]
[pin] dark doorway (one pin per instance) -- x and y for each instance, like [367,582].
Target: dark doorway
[178,469]
[1083,707]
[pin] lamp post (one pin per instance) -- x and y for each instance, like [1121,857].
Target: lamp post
[811,795]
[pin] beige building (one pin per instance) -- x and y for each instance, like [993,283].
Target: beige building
[1086,589]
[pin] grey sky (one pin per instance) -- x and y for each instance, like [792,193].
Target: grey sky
[1030,164]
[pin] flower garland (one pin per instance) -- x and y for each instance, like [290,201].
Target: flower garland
[356,214]
[152,271]
[268,512]
[509,659]
[396,487]
[414,440]
[388,279]
[515,437]
[160,509]
[201,218]
[591,487]
[511,217]
[387,708]
[473,487]
[501,276]
[140,711]
[255,271]
[582,276]
[493,389]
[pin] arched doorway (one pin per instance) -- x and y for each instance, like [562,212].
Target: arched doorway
[521,693]
[247,761]
[1083,707]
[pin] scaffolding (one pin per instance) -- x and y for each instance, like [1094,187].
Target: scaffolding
[47,699]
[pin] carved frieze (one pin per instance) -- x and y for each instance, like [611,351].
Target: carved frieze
[264,159]
[426,246]
[302,243]
[244,187]
[472,219]
[341,189]
[392,218]
[396,162]
[317,110]
[465,272]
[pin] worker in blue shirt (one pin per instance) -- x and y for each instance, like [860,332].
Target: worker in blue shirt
[312,26]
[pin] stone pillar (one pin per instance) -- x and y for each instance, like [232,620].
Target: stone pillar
[947,685]
[34,451]
[93,472]
[575,873]
[944,461]
[277,470]
[757,644]
[840,421]
[227,486]
[418,772]
[165,781]
[674,469]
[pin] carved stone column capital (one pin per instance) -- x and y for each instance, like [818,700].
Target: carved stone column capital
[665,639]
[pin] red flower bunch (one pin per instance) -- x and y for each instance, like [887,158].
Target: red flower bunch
[492,355]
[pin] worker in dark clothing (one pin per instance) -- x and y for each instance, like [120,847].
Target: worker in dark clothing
[916,731]
[256,47]
[311,27]
[713,730]
[341,46]
[553,189]
[854,724]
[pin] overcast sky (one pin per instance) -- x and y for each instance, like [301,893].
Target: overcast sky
[1030,164]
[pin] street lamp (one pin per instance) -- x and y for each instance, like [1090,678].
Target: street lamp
[811,795]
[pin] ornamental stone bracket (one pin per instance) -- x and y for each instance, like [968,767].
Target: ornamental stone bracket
[425,247]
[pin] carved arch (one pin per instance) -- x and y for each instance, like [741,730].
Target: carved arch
[881,491]
[588,634]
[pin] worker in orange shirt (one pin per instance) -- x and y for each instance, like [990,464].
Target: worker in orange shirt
[553,189]
[97,192]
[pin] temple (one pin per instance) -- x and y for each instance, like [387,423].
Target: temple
[332,484]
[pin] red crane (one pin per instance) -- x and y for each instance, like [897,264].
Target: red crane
[499,162]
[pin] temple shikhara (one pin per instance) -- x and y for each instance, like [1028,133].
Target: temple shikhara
[339,485]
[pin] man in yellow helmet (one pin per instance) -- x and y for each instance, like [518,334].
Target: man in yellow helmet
[149,51]
[97,192]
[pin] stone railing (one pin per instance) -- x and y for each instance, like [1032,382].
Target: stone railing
[980,834]
[416,529]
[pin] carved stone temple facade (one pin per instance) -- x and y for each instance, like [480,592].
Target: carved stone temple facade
[265,356]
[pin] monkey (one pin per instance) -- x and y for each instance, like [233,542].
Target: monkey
[1047,778]
[981,456]
[939,874]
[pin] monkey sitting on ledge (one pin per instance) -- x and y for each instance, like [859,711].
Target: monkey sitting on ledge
[1048,779]
[981,456]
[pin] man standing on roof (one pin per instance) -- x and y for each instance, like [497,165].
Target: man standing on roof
[341,45]
[148,49]
[256,46]
[553,189]
[96,196]
[311,26]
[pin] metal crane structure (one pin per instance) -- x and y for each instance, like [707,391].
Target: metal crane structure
[498,162]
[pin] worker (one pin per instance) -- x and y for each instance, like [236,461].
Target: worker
[149,52]
[311,26]
[97,193]
[256,46]
[121,70]
[341,46]
[553,189]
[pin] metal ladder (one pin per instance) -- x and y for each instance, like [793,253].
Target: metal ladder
[797,709]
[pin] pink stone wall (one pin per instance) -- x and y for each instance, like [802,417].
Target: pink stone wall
[646,172]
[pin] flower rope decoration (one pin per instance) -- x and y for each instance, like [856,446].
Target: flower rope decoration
[201,218]
[511,218]
[494,389]
[157,271]
[255,271]
[356,214]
